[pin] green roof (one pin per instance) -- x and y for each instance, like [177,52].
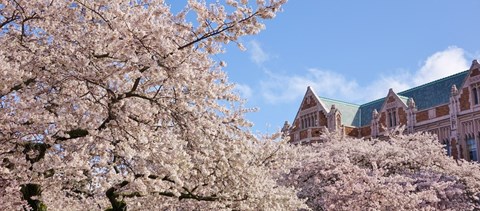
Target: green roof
[349,111]
[436,92]
[367,109]
[425,96]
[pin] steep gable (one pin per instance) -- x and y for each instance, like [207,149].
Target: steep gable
[310,102]
[469,91]
[366,109]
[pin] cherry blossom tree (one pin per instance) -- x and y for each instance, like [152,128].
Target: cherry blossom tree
[119,104]
[405,172]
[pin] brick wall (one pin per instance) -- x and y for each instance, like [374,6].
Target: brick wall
[322,119]
[312,103]
[351,131]
[475,72]
[422,116]
[303,134]
[382,122]
[465,99]
[442,110]
[402,116]
[391,99]
[365,131]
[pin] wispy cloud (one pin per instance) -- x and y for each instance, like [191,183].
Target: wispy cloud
[284,88]
[287,88]
[244,90]
[257,54]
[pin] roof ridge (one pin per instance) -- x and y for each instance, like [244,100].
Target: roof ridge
[374,101]
[339,101]
[432,82]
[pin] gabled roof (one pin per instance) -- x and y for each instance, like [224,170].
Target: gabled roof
[426,96]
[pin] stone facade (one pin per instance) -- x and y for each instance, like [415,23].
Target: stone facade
[448,108]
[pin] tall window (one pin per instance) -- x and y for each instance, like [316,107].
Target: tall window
[476,94]
[392,117]
[309,120]
[472,149]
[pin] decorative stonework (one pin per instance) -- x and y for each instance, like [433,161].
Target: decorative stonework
[334,119]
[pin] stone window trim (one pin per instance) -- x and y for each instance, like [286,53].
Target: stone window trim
[475,90]
[309,120]
[392,117]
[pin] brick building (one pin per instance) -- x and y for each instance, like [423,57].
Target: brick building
[448,107]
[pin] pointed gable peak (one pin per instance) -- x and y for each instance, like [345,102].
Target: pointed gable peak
[390,91]
[393,100]
[475,63]
[474,69]
[310,99]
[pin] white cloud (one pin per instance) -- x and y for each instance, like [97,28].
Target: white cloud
[442,64]
[288,88]
[257,54]
[244,90]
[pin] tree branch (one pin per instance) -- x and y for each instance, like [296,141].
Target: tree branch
[96,12]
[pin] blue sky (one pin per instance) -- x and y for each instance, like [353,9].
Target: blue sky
[350,50]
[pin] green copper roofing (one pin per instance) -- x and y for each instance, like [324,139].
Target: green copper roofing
[367,109]
[436,92]
[349,111]
[425,96]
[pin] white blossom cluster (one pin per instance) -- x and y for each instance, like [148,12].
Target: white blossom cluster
[405,172]
[116,104]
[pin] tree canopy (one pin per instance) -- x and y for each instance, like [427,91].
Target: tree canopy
[405,172]
[119,104]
